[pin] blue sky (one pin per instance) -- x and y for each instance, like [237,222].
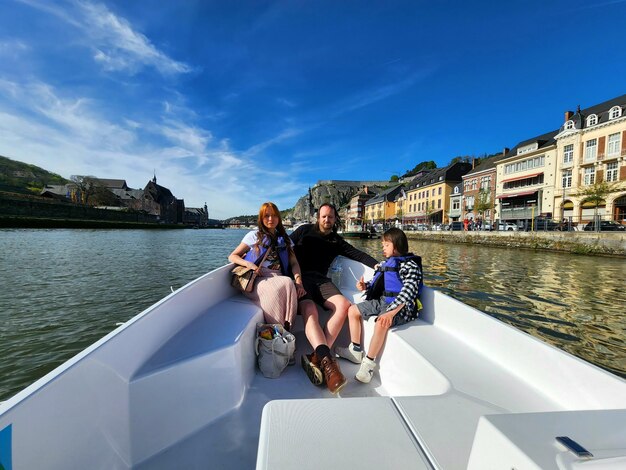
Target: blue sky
[234,103]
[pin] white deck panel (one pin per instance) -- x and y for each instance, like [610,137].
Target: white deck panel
[340,433]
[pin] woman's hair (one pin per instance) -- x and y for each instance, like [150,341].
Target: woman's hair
[398,238]
[264,232]
[337,219]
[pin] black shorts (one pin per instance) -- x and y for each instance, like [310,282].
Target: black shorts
[318,288]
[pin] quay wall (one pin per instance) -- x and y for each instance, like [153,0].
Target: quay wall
[585,243]
[19,207]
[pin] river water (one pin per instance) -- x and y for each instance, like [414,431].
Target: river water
[62,290]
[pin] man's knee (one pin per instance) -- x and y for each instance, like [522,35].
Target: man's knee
[338,303]
[308,309]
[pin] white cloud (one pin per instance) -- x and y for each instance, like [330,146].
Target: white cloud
[285,102]
[375,94]
[262,146]
[116,45]
[12,48]
[71,135]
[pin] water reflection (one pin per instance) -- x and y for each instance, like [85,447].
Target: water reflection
[573,302]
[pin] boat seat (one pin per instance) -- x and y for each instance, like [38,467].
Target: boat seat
[222,326]
[200,374]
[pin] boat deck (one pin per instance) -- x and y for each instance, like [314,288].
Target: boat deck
[222,440]
[417,367]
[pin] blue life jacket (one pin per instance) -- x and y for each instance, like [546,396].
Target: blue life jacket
[386,281]
[281,249]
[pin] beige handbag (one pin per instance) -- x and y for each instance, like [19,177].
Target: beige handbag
[243,278]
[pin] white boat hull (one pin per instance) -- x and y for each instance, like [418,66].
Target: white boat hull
[176,387]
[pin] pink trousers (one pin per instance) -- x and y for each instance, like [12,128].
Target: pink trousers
[276,295]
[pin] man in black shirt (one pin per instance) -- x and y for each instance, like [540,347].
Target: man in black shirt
[316,246]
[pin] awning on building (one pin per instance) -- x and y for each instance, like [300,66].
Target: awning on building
[525,177]
[588,204]
[434,213]
[506,196]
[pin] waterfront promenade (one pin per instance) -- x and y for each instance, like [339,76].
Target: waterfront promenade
[584,243]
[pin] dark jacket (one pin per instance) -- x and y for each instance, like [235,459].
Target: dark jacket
[316,252]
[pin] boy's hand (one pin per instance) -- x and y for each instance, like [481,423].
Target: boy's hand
[386,319]
[360,284]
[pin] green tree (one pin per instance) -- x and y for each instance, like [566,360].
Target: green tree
[430,210]
[399,214]
[596,194]
[92,191]
[483,202]
[394,178]
[429,165]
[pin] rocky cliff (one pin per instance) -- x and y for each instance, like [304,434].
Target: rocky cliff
[336,192]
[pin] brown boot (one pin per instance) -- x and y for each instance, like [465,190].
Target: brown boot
[335,380]
[311,365]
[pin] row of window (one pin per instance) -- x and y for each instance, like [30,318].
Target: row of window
[589,175]
[471,184]
[592,119]
[413,196]
[422,206]
[523,165]
[613,149]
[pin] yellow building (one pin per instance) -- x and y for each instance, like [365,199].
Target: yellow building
[591,148]
[382,208]
[428,197]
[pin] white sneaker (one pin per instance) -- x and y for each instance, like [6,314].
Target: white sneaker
[366,371]
[350,353]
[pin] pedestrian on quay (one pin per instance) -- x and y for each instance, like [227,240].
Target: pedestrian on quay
[316,247]
[269,251]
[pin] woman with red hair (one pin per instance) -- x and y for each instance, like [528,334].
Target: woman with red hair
[269,251]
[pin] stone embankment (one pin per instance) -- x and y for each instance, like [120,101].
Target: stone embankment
[584,243]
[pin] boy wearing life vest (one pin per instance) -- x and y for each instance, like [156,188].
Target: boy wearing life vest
[392,296]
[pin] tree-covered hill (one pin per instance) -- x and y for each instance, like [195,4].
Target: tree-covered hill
[21,177]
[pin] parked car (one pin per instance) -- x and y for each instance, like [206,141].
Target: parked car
[565,226]
[456,226]
[487,226]
[605,226]
[507,226]
[543,224]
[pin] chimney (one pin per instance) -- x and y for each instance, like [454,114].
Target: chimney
[473,162]
[505,150]
[365,188]
[568,115]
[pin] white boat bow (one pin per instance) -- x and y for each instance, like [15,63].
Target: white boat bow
[177,387]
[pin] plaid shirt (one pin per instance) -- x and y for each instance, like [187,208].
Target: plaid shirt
[411,276]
